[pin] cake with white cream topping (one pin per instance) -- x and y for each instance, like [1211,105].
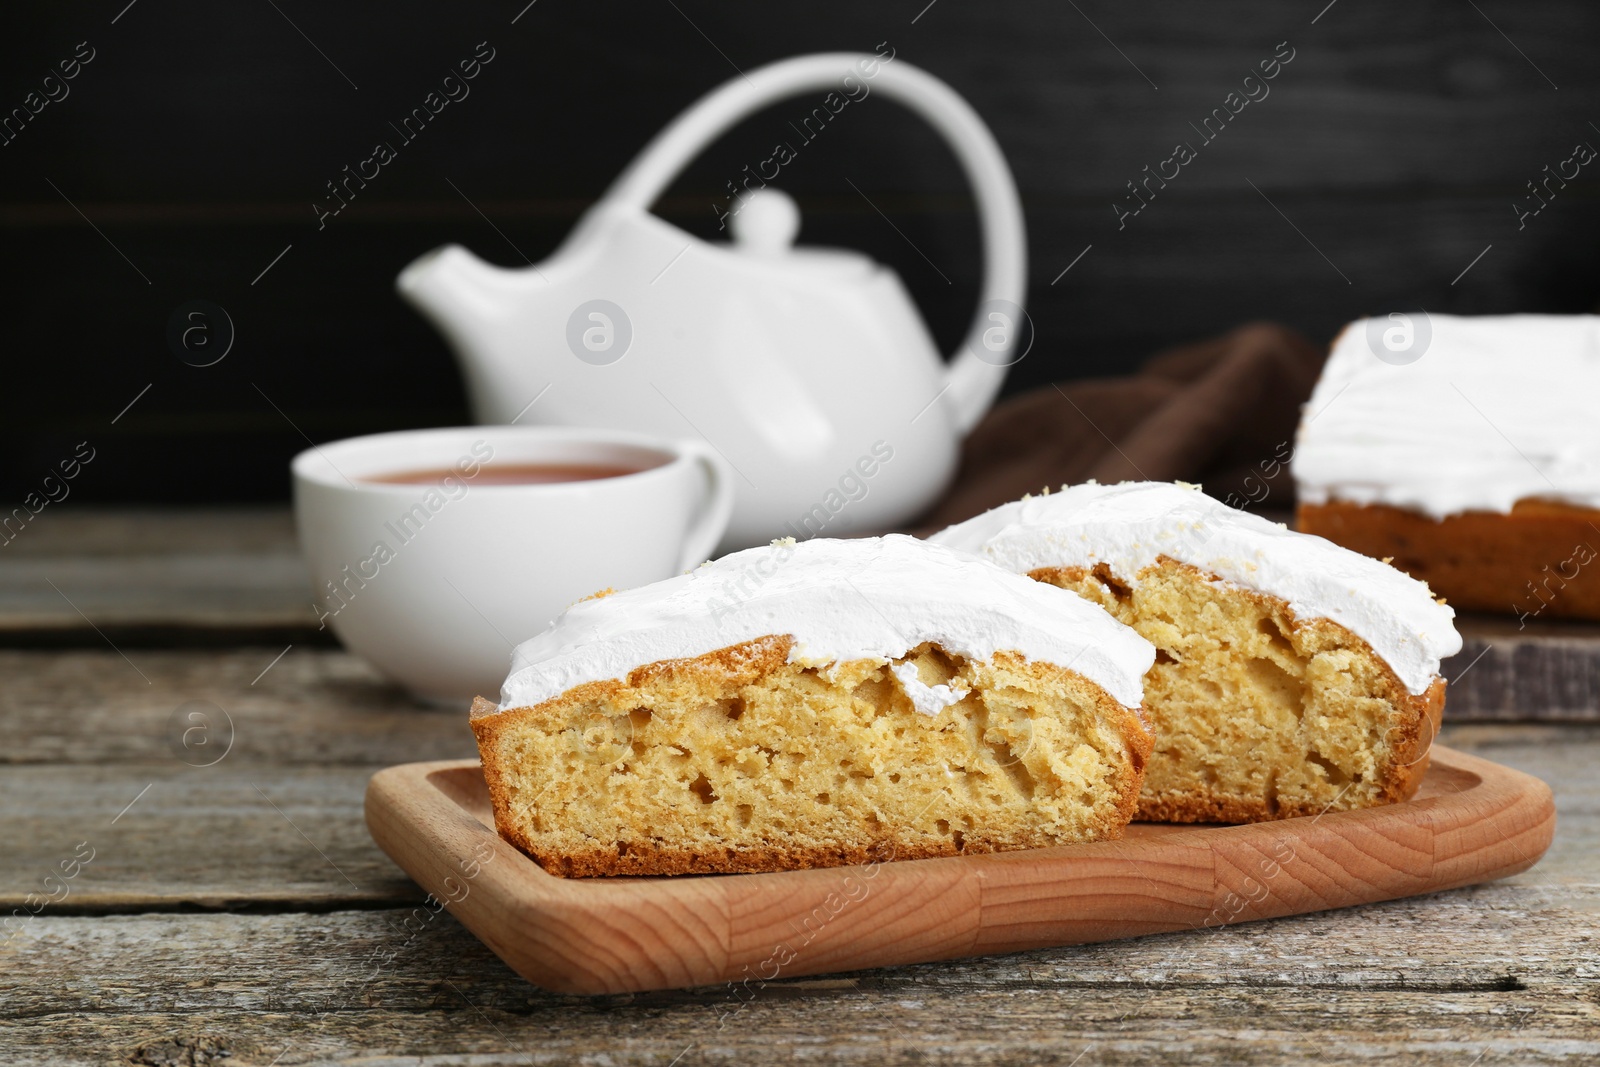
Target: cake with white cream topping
[1292,676]
[816,704]
[1474,463]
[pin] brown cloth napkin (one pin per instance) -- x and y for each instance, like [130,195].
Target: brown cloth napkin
[1221,412]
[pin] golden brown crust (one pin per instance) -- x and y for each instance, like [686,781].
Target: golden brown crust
[1533,561]
[1064,577]
[737,664]
[744,664]
[648,859]
[1411,760]
[1409,739]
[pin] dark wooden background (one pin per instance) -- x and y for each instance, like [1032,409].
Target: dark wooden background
[200,135]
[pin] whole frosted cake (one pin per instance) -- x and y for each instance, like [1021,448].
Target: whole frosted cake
[1292,676]
[816,704]
[1474,466]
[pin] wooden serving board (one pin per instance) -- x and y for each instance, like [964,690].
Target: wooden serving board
[1472,821]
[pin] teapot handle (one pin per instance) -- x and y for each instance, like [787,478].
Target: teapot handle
[971,380]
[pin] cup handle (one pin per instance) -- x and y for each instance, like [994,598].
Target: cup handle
[715,509]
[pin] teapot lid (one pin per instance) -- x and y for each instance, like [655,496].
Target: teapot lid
[766,222]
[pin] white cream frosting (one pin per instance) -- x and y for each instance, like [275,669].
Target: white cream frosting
[1128,526]
[1496,409]
[928,699]
[873,598]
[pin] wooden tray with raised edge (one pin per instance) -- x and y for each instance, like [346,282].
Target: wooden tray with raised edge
[1472,821]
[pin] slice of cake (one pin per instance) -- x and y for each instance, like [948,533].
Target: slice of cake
[816,704]
[1472,458]
[1292,676]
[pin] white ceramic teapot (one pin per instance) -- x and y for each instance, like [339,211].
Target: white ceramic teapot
[808,369]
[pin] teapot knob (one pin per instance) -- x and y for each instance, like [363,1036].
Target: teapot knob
[767,223]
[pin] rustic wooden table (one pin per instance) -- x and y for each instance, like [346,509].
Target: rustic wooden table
[199,890]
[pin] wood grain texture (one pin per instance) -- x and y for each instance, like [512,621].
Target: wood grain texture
[121,533]
[134,573]
[1544,670]
[1495,970]
[312,705]
[220,837]
[1472,821]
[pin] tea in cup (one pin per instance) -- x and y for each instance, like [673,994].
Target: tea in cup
[433,553]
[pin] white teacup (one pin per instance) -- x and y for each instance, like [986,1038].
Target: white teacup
[436,583]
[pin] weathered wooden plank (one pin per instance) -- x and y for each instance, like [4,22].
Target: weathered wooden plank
[1518,980]
[1508,938]
[126,570]
[1011,1028]
[118,533]
[167,835]
[312,705]
[1543,670]
[225,591]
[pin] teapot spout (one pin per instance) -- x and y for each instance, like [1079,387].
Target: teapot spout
[458,292]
